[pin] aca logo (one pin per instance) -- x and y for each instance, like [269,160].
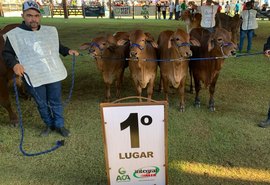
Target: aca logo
[150,171]
[122,176]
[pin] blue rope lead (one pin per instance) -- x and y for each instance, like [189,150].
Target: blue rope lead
[248,54]
[58,143]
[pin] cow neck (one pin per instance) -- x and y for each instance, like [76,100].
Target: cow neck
[176,50]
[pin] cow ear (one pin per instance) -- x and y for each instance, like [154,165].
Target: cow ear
[154,44]
[149,37]
[121,42]
[170,42]
[211,45]
[111,40]
[84,46]
[195,42]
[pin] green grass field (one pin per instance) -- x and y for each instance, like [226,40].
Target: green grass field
[225,147]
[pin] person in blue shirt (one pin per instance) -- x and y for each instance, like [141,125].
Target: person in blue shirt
[237,8]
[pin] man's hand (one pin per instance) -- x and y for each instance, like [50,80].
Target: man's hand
[73,52]
[267,53]
[18,70]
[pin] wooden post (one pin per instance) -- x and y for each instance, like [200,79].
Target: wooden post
[1,10]
[110,9]
[64,3]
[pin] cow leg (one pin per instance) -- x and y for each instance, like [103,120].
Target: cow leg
[191,81]
[197,102]
[108,92]
[212,91]
[150,89]
[5,102]
[160,88]
[165,88]
[181,90]
[139,91]
[118,83]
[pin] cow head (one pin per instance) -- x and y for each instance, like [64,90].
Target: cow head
[221,44]
[179,41]
[97,46]
[138,41]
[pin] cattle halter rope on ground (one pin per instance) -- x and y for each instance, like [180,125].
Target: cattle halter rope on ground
[59,143]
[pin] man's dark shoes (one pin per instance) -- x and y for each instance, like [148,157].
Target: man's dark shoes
[63,131]
[46,131]
[265,123]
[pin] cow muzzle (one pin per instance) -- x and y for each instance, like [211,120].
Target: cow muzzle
[133,54]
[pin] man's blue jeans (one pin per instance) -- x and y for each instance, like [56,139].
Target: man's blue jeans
[243,34]
[49,94]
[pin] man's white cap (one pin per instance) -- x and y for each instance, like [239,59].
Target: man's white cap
[30,5]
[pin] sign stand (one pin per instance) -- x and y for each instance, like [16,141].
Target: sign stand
[135,142]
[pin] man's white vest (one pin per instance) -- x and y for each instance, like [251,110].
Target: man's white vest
[38,52]
[208,16]
[249,19]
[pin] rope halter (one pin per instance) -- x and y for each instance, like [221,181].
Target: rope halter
[136,45]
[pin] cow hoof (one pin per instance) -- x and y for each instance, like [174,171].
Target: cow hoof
[14,123]
[182,109]
[197,104]
[212,109]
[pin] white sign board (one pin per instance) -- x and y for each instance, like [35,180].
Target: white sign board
[135,139]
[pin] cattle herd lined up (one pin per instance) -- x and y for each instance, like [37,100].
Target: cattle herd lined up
[173,54]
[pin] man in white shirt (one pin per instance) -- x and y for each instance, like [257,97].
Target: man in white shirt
[227,8]
[171,9]
[249,23]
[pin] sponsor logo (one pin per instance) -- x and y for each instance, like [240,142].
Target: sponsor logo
[122,176]
[146,172]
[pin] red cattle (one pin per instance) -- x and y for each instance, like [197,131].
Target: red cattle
[191,20]
[142,62]
[173,51]
[217,44]
[110,60]
[6,76]
[231,24]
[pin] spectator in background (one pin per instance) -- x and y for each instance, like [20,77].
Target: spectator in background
[158,6]
[171,10]
[164,9]
[227,8]
[266,49]
[244,6]
[177,10]
[237,8]
[219,8]
[249,23]
[183,6]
